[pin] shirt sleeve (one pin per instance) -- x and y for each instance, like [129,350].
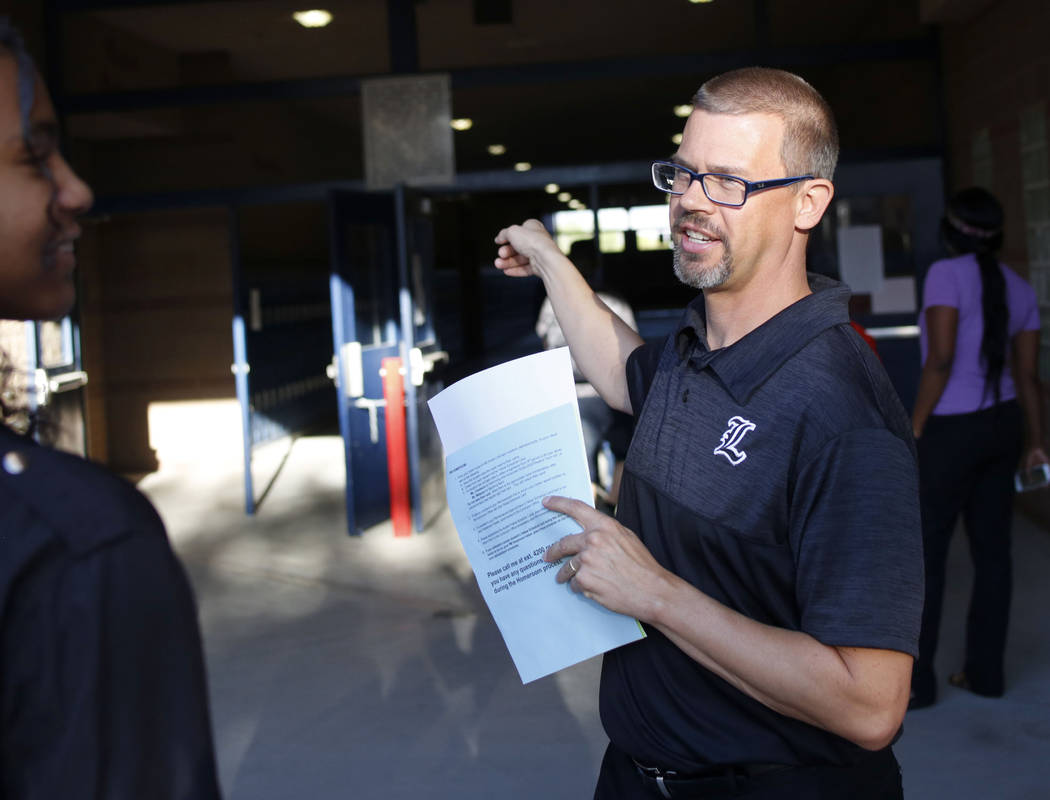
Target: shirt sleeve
[641,369]
[940,288]
[857,535]
[1030,316]
[111,699]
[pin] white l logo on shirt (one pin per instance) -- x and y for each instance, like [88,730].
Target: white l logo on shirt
[728,446]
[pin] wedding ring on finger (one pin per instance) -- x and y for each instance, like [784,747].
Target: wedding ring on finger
[573,567]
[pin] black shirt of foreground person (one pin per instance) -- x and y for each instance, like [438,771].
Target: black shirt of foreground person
[103,691]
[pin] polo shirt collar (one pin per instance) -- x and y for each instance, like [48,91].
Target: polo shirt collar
[746,364]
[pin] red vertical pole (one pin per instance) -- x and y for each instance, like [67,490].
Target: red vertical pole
[397,447]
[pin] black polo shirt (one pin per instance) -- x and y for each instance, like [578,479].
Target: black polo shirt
[103,691]
[778,476]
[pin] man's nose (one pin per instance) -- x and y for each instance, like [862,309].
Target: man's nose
[694,198]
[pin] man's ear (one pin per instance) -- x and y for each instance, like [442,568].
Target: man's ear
[813,201]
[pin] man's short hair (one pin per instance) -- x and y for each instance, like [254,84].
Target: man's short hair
[811,140]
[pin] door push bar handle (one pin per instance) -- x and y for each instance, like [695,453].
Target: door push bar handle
[373,415]
[350,354]
[420,364]
[354,390]
[351,357]
[47,385]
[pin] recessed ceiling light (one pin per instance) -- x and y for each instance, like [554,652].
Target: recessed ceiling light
[576,204]
[564,197]
[551,188]
[462,124]
[497,149]
[683,110]
[677,138]
[701,1]
[313,18]
[522,166]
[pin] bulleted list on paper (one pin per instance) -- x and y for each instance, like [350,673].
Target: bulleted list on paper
[503,494]
[502,469]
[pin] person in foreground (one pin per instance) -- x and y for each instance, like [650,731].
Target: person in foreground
[102,688]
[980,344]
[768,533]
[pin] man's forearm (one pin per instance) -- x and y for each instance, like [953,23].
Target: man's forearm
[598,339]
[858,693]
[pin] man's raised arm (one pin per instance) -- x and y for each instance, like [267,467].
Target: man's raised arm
[598,339]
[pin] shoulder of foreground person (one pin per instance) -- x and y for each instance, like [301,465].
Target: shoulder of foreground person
[82,502]
[104,692]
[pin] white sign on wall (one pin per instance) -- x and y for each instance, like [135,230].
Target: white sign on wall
[860,258]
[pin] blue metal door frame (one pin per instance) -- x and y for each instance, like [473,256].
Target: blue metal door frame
[240,359]
[365,329]
[343,330]
[407,332]
[281,350]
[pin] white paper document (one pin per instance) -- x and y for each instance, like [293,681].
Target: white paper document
[512,436]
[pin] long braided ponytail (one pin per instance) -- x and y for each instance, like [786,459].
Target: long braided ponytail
[973,224]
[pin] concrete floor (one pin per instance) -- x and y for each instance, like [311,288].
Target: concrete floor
[369,667]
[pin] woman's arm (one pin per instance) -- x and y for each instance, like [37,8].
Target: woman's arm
[942,323]
[1024,354]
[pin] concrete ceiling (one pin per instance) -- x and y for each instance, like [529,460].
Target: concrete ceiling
[562,83]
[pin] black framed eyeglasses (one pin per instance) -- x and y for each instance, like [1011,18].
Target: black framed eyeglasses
[726,190]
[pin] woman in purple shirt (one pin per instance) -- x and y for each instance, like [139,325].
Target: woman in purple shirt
[977,419]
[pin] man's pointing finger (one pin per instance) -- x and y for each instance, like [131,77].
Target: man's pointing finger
[577,509]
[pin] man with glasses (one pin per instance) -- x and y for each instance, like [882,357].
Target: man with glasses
[768,532]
